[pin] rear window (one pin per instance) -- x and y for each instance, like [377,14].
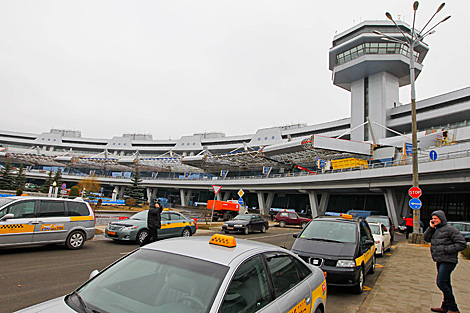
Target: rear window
[77,209]
[382,220]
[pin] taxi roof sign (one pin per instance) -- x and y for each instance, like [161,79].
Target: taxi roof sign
[223,240]
[347,216]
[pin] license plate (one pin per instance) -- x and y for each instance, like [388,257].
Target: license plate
[111,233]
[229,227]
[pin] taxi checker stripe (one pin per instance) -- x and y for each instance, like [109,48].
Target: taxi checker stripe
[12,226]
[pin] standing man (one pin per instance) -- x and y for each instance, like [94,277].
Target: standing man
[154,223]
[409,225]
[446,242]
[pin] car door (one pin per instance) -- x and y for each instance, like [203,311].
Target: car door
[52,224]
[249,290]
[20,229]
[165,230]
[293,219]
[292,291]
[176,224]
[367,250]
[386,236]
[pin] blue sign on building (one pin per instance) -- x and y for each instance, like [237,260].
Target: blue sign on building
[415,204]
[408,148]
[240,201]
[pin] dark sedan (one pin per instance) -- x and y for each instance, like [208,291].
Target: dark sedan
[246,223]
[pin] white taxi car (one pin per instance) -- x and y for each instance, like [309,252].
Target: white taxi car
[382,238]
[200,275]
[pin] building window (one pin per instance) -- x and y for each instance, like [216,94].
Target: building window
[374,48]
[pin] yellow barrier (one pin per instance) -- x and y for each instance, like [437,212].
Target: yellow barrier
[348,163]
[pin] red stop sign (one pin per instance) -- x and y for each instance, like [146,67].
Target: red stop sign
[415,192]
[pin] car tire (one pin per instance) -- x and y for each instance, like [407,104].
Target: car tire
[246,231]
[141,235]
[282,223]
[318,310]
[359,288]
[303,224]
[186,232]
[372,268]
[75,240]
[263,229]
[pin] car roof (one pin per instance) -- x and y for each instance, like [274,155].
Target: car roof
[377,224]
[338,219]
[200,248]
[383,216]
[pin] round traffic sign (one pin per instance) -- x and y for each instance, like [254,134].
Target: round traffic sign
[63,186]
[433,155]
[415,192]
[415,204]
[240,201]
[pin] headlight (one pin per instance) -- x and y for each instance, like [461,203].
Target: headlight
[225,224]
[129,228]
[238,225]
[346,263]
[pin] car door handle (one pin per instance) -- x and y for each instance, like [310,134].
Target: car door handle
[307,299]
[36,222]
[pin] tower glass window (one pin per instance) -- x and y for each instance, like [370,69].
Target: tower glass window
[382,48]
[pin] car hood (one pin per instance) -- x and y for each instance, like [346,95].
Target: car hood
[54,305]
[129,222]
[238,222]
[323,248]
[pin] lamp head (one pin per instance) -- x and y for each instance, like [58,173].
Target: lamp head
[445,19]
[389,16]
[440,7]
[54,184]
[415,5]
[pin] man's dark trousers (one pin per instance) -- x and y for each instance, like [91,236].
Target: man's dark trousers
[444,270]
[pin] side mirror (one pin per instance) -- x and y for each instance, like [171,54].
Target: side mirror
[296,235]
[7,217]
[93,274]
[368,243]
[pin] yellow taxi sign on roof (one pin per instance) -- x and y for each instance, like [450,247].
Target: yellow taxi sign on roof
[347,216]
[223,240]
[166,209]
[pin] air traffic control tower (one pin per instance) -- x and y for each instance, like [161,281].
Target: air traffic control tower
[373,69]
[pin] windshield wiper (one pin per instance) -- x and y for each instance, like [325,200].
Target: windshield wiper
[82,303]
[324,239]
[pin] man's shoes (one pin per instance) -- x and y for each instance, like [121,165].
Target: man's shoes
[439,310]
[453,311]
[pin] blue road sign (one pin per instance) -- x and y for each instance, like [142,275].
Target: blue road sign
[63,186]
[433,155]
[415,204]
[240,201]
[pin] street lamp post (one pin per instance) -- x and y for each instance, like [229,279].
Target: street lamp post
[411,43]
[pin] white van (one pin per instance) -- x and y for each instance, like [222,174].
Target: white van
[37,220]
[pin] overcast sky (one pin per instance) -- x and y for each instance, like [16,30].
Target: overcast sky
[175,68]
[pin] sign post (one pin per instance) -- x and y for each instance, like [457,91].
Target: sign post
[216,191]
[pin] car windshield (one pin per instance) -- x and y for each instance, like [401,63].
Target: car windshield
[382,220]
[375,229]
[330,231]
[153,281]
[141,216]
[243,217]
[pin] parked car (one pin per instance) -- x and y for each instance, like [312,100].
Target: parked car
[387,221]
[246,223]
[199,274]
[174,224]
[463,227]
[382,239]
[342,247]
[39,220]
[291,218]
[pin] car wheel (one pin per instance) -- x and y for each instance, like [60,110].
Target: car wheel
[75,240]
[282,223]
[359,288]
[303,224]
[372,268]
[186,232]
[263,229]
[318,310]
[246,231]
[141,235]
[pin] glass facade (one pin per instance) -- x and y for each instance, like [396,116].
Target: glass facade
[374,48]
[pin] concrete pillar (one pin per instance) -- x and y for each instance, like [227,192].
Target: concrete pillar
[325,198]
[218,196]
[151,193]
[312,196]
[226,195]
[120,190]
[265,205]
[185,196]
[391,203]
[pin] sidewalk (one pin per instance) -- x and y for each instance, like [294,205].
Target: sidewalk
[408,283]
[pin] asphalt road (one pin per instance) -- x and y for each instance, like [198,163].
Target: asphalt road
[36,274]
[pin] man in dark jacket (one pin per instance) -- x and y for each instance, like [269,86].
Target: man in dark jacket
[446,242]
[154,223]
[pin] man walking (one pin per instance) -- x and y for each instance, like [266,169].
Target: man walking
[446,242]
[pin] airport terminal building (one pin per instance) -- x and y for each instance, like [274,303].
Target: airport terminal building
[362,162]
